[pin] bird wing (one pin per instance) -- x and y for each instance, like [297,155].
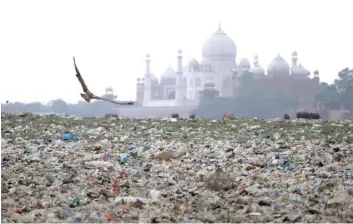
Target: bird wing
[88,95]
[80,79]
[113,101]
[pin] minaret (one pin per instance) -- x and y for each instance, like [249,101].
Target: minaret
[234,82]
[147,86]
[317,76]
[139,90]
[179,78]
[294,59]
[256,60]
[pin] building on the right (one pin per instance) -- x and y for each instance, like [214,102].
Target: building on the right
[293,80]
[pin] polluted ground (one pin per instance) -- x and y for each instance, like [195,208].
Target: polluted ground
[100,170]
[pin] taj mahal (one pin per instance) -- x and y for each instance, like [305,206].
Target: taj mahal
[218,69]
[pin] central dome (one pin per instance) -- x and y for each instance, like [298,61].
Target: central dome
[219,45]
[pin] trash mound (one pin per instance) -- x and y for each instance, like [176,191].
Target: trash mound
[91,170]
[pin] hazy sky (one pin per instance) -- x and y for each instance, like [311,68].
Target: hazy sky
[110,39]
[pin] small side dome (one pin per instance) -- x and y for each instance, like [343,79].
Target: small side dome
[300,71]
[257,70]
[278,66]
[194,62]
[244,63]
[169,73]
[194,65]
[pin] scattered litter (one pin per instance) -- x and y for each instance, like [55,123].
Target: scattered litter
[174,170]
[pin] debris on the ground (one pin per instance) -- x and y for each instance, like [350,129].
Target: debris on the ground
[89,170]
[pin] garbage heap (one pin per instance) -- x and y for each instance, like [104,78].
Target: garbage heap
[67,169]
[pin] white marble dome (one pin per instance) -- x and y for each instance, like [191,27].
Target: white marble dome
[257,70]
[244,63]
[278,66]
[219,45]
[194,62]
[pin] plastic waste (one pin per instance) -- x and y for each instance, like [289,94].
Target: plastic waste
[276,193]
[286,164]
[75,202]
[70,213]
[68,137]
[107,155]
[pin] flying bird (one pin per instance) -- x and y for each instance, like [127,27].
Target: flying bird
[88,95]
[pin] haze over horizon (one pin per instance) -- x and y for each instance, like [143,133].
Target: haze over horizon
[111,38]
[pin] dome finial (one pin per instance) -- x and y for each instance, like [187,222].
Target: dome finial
[219,26]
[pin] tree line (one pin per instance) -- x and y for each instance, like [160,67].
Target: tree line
[59,106]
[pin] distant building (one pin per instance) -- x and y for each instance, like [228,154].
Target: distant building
[218,68]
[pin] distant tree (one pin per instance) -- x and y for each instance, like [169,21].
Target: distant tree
[35,107]
[328,97]
[15,107]
[255,99]
[58,106]
[246,80]
[344,85]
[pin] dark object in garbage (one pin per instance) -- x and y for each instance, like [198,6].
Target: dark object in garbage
[175,115]
[286,117]
[229,150]
[192,116]
[302,115]
[88,95]
[307,115]
[315,116]
[47,140]
[264,203]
